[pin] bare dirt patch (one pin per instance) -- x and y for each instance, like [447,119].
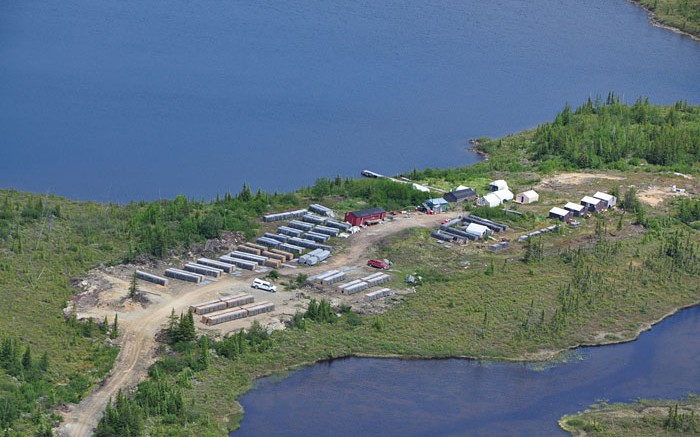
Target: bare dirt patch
[655,196]
[574,179]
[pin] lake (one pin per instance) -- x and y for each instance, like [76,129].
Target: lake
[375,397]
[115,101]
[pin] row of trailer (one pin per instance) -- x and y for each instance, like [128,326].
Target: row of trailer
[470,227]
[225,309]
[589,204]
[336,278]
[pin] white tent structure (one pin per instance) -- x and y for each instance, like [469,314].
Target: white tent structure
[490,200]
[504,195]
[529,196]
[500,184]
[479,231]
[420,187]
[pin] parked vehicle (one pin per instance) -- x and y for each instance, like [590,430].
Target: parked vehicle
[264,285]
[378,264]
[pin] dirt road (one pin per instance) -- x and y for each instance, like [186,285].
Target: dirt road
[139,325]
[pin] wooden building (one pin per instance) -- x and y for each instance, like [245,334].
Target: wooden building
[365,216]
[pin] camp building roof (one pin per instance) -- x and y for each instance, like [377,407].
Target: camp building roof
[366,212]
[590,200]
[558,211]
[574,206]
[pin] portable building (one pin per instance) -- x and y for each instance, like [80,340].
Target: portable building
[151,278]
[242,263]
[437,204]
[322,210]
[334,278]
[609,199]
[303,226]
[529,196]
[228,268]
[365,216]
[204,270]
[374,295]
[313,219]
[441,235]
[330,231]
[226,316]
[498,185]
[560,214]
[338,225]
[592,204]
[576,209]
[278,237]
[504,195]
[466,195]
[292,248]
[268,242]
[286,230]
[248,249]
[184,275]
[321,276]
[479,231]
[284,215]
[288,255]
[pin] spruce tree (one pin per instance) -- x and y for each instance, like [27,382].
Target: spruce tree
[133,287]
[115,328]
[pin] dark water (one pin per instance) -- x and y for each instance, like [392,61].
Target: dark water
[121,100]
[372,397]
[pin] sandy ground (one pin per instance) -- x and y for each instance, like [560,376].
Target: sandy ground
[104,294]
[574,179]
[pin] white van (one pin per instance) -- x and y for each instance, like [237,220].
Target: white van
[264,285]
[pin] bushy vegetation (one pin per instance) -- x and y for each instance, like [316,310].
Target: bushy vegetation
[681,14]
[612,134]
[641,418]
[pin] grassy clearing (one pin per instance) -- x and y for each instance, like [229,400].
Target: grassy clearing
[642,418]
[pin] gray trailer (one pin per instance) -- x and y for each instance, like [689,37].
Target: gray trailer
[204,270]
[184,275]
[151,277]
[242,263]
[228,268]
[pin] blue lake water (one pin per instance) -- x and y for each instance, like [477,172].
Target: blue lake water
[374,397]
[121,100]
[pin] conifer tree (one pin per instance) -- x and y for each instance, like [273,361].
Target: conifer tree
[115,328]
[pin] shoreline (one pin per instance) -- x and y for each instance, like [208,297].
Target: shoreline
[542,356]
[656,23]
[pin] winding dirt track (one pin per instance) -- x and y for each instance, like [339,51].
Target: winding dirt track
[139,329]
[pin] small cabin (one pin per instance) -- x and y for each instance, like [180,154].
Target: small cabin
[559,214]
[529,196]
[592,204]
[609,199]
[365,216]
[460,196]
[576,209]
[498,185]
[437,205]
